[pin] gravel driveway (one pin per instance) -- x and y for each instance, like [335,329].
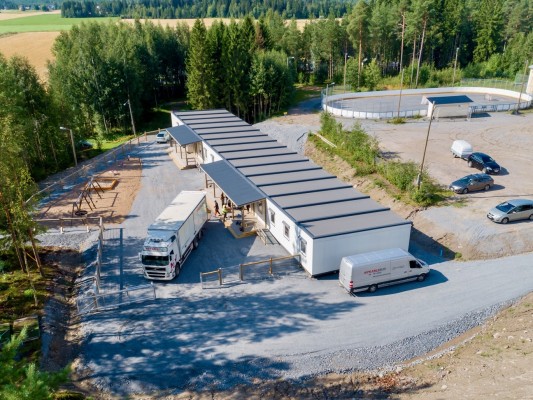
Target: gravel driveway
[290,326]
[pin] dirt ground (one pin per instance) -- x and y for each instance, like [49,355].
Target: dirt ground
[494,360]
[120,183]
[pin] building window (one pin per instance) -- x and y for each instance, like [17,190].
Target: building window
[286,230]
[303,246]
[272,215]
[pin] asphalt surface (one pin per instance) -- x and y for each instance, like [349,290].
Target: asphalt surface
[289,326]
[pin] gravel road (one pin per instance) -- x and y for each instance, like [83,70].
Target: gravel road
[290,326]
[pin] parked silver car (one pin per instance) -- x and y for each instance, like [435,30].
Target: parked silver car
[471,183]
[512,210]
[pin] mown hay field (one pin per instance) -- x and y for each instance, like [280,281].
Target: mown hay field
[32,34]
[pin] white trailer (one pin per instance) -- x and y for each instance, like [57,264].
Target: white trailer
[368,271]
[173,235]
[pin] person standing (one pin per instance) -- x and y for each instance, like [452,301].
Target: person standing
[224,212]
[217,211]
[222,199]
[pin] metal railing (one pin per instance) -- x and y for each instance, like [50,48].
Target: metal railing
[252,270]
[94,302]
[62,223]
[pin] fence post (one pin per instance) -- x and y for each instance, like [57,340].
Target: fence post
[270,269]
[220,276]
[241,275]
[61,225]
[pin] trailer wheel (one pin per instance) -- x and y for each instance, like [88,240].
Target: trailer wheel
[421,278]
[200,233]
[195,243]
[372,288]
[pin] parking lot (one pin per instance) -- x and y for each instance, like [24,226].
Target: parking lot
[508,139]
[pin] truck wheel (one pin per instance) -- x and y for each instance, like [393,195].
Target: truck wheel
[372,288]
[200,233]
[470,164]
[195,243]
[421,278]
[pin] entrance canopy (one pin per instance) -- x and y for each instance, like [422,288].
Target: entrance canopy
[236,187]
[183,135]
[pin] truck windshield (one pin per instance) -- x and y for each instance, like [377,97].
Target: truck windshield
[155,260]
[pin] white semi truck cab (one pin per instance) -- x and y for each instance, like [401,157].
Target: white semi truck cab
[173,235]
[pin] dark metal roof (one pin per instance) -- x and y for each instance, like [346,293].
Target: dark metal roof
[236,187]
[304,187]
[302,165]
[192,114]
[443,100]
[216,124]
[268,159]
[258,153]
[231,135]
[183,135]
[318,198]
[248,140]
[224,150]
[291,177]
[335,210]
[231,131]
[255,166]
[353,224]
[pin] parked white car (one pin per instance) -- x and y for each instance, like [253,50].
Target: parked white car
[162,137]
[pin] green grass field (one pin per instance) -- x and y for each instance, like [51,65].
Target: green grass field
[44,23]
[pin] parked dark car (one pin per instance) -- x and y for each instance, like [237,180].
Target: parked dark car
[471,183]
[483,162]
[84,145]
[511,210]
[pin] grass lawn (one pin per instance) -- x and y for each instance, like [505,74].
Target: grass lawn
[44,23]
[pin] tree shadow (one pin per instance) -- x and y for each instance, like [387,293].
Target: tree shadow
[195,342]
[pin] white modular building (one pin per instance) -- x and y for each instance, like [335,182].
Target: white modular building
[308,211]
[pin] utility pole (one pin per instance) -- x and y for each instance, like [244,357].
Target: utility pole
[419,177]
[345,60]
[401,65]
[72,143]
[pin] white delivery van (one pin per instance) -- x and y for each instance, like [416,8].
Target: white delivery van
[368,271]
[461,149]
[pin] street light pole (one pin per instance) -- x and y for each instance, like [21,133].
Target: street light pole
[131,115]
[455,65]
[327,86]
[72,143]
[517,111]
[345,60]
[419,177]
